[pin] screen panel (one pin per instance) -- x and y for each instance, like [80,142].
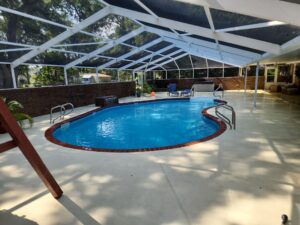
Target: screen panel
[276,34]
[179,11]
[142,39]
[63,12]
[224,19]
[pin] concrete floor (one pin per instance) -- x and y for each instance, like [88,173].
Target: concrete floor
[249,176]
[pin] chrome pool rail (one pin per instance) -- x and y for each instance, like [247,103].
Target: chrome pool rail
[231,122]
[67,111]
[221,89]
[62,111]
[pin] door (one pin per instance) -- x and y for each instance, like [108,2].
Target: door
[270,75]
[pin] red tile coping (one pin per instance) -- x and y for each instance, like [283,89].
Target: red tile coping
[222,128]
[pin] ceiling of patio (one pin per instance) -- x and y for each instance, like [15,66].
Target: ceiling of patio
[159,34]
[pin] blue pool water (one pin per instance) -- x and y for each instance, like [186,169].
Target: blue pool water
[141,125]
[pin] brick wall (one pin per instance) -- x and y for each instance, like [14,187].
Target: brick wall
[39,101]
[229,83]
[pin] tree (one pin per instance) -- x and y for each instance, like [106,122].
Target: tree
[18,29]
[21,30]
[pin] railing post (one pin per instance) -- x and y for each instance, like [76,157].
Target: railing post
[256,85]
[66,76]
[245,80]
[13,75]
[97,74]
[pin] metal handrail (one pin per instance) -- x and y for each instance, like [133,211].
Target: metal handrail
[218,89]
[65,111]
[232,122]
[52,111]
[62,113]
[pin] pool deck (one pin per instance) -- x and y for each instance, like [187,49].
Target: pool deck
[250,176]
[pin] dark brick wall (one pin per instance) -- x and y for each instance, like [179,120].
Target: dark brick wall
[39,101]
[229,83]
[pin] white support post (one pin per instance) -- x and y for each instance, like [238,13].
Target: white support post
[118,75]
[66,76]
[245,78]
[97,75]
[13,75]
[207,75]
[166,74]
[294,72]
[223,70]
[192,65]
[256,85]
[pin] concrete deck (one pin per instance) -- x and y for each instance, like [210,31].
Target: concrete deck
[246,177]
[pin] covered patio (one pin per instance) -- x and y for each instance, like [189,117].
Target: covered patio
[248,176]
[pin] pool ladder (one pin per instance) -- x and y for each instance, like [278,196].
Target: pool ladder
[231,122]
[216,92]
[63,111]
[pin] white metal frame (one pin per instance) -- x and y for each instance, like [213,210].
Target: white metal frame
[59,38]
[168,61]
[147,57]
[197,30]
[192,46]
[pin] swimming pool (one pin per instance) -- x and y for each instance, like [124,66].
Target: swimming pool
[142,126]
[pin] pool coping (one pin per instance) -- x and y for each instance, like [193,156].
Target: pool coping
[222,128]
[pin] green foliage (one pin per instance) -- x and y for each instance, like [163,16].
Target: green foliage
[125,75]
[15,107]
[147,88]
[18,29]
[48,76]
[22,117]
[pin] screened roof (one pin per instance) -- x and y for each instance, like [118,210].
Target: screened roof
[148,34]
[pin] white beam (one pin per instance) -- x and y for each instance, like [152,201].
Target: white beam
[267,9]
[15,44]
[252,26]
[203,43]
[212,54]
[142,48]
[147,57]
[13,76]
[26,15]
[80,44]
[201,31]
[145,7]
[76,28]
[160,59]
[14,49]
[287,47]
[106,47]
[212,27]
[192,65]
[166,62]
